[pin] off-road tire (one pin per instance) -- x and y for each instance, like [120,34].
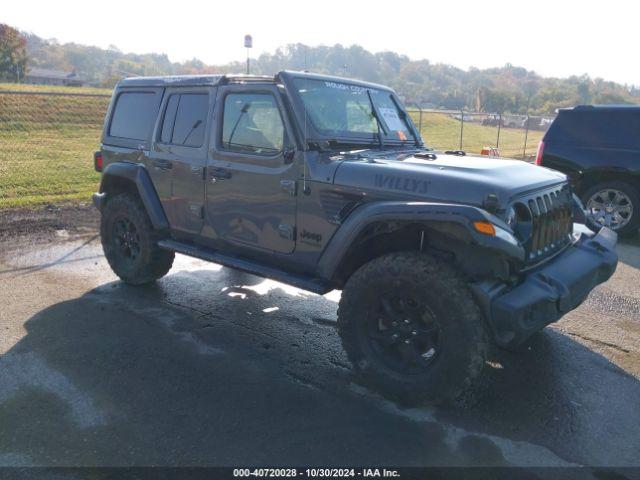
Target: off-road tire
[151,261]
[631,228]
[455,371]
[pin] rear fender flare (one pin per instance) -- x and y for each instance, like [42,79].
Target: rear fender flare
[137,175]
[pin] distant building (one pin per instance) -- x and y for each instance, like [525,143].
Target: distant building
[44,76]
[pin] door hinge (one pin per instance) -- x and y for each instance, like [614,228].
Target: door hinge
[287,231]
[289,186]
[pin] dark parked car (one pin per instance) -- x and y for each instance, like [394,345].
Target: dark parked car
[324,183]
[598,147]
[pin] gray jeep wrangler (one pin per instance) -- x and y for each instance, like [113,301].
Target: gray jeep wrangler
[324,183]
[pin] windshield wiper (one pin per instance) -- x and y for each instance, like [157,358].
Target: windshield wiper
[416,136]
[333,144]
[243,110]
[381,127]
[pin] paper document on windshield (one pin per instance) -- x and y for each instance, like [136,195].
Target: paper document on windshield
[391,118]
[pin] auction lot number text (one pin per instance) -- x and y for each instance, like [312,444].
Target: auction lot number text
[315,472]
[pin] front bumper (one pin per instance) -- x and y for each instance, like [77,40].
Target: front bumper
[549,292]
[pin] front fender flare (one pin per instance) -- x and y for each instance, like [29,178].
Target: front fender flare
[426,212]
[136,174]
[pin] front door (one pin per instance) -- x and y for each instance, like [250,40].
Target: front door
[251,176]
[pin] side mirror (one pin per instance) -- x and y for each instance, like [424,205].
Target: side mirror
[289,154]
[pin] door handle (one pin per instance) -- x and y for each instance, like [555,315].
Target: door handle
[163,164]
[219,174]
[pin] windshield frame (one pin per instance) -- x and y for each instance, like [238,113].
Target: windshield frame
[311,133]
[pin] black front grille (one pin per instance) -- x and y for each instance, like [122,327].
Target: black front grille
[552,223]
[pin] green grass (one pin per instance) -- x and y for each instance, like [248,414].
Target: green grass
[47,143]
[46,147]
[442,131]
[23,87]
[57,166]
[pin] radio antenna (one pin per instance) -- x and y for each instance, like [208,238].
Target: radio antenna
[306,143]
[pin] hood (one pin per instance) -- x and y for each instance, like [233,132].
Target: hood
[445,178]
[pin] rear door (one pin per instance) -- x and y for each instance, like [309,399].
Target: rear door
[251,176]
[179,155]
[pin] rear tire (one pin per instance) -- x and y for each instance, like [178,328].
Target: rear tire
[130,243]
[615,205]
[412,329]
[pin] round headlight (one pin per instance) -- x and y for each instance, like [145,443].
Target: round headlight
[519,220]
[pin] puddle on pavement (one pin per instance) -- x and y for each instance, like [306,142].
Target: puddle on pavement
[73,256]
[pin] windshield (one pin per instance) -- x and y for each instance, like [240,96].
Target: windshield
[339,110]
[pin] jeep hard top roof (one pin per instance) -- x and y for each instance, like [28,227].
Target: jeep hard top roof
[190,80]
[213,80]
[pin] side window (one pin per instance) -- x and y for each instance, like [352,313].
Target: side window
[185,119]
[169,119]
[601,128]
[134,115]
[252,123]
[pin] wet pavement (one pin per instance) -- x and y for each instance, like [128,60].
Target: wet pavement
[215,367]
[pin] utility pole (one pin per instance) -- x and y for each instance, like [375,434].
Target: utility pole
[248,44]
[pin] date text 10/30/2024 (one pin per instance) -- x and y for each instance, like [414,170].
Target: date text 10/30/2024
[316,473]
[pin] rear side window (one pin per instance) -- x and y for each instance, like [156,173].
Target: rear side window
[134,115]
[169,119]
[185,119]
[603,128]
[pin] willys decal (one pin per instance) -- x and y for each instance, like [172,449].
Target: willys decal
[405,184]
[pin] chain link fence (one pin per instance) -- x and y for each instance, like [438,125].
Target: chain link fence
[514,136]
[47,140]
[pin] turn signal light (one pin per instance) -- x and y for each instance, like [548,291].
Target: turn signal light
[485,227]
[540,153]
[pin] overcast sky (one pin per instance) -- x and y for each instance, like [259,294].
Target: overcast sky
[552,37]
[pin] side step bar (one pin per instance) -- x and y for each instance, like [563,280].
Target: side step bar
[300,281]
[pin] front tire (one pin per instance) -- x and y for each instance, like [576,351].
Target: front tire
[412,329]
[129,242]
[615,205]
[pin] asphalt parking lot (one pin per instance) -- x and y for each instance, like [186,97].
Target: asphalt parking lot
[215,367]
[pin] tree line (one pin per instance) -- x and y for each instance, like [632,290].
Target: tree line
[506,89]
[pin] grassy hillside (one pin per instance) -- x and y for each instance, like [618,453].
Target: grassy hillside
[442,131]
[57,167]
[23,87]
[47,142]
[47,147]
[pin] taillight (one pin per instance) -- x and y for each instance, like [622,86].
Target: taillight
[97,161]
[540,153]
